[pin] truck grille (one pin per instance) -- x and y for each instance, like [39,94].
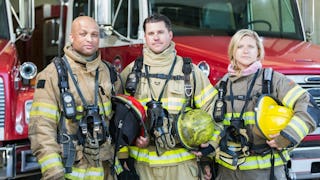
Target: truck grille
[309,82]
[2,103]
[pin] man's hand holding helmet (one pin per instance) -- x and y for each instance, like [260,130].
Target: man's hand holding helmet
[142,142]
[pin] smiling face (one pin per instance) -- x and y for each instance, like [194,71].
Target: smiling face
[84,36]
[246,52]
[157,36]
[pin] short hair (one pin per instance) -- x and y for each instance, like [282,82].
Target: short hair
[236,39]
[158,18]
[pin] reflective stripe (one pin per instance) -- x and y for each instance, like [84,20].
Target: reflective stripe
[248,117]
[206,94]
[52,160]
[169,157]
[291,97]
[124,149]
[173,103]
[215,135]
[106,108]
[258,162]
[299,127]
[86,174]
[44,109]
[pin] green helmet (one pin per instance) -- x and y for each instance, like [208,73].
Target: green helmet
[195,127]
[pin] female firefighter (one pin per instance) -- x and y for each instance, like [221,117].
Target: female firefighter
[247,149]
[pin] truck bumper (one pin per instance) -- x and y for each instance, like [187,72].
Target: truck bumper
[305,163]
[17,161]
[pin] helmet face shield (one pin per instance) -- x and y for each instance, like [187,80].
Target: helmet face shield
[127,123]
[195,127]
[271,117]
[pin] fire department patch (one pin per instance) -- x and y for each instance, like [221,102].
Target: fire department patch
[41,83]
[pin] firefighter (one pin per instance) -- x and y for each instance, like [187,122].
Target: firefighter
[164,83]
[70,110]
[248,148]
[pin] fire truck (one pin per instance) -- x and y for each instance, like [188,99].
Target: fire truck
[16,91]
[202,30]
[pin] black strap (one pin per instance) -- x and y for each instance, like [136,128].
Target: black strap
[69,151]
[246,98]
[113,75]
[166,82]
[78,88]
[267,81]
[62,74]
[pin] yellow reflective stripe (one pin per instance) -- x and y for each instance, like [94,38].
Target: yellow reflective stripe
[173,103]
[205,95]
[105,107]
[299,127]
[257,162]
[291,97]
[49,161]
[44,109]
[215,135]
[248,117]
[261,162]
[169,157]
[96,173]
[124,149]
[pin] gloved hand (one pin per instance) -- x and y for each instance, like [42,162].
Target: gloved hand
[204,150]
[54,173]
[163,137]
[91,150]
[129,172]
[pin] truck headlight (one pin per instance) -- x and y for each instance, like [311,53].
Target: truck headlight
[204,67]
[27,109]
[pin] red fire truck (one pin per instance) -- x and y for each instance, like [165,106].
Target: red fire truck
[16,91]
[202,30]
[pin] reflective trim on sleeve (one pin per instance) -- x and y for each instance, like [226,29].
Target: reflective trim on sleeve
[205,95]
[95,173]
[49,161]
[105,108]
[44,109]
[291,97]
[299,127]
[215,135]
[169,157]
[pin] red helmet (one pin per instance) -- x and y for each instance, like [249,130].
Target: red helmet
[127,122]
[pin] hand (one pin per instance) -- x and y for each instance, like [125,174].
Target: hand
[204,150]
[142,142]
[207,172]
[272,143]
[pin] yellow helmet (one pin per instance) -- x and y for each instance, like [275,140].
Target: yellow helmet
[271,117]
[195,127]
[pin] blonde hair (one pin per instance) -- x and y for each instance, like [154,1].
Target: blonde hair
[234,44]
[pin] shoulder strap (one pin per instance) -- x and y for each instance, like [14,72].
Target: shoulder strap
[63,137]
[267,81]
[112,70]
[223,86]
[62,74]
[138,63]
